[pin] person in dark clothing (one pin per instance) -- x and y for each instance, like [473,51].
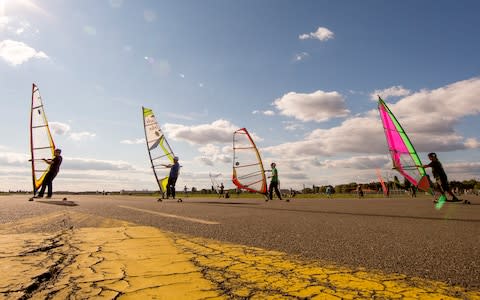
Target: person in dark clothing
[440,176]
[222,187]
[51,174]
[274,183]
[172,178]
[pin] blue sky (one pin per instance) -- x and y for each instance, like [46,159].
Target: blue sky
[300,75]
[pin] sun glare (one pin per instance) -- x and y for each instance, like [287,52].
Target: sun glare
[9,6]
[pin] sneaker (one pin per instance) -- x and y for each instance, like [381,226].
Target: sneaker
[48,197]
[38,196]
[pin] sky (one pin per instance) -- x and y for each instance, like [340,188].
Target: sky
[301,76]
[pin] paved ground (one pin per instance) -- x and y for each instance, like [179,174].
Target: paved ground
[125,247]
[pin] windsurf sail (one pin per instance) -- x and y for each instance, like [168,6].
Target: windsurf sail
[404,157]
[41,141]
[384,187]
[159,150]
[215,185]
[248,171]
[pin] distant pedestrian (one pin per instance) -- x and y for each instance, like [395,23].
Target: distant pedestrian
[328,190]
[221,190]
[359,191]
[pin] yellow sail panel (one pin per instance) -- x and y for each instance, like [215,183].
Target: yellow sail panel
[159,150]
[41,141]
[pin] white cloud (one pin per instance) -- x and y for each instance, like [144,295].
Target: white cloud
[59,128]
[219,131]
[318,106]
[292,126]
[212,154]
[428,117]
[13,158]
[78,136]
[4,21]
[322,34]
[264,112]
[394,91]
[269,113]
[15,26]
[16,53]
[463,170]
[300,56]
[355,135]
[133,142]
[472,143]
[94,164]
[358,162]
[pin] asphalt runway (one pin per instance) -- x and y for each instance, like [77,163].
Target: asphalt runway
[394,236]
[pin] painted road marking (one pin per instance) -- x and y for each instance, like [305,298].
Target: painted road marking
[172,216]
[130,261]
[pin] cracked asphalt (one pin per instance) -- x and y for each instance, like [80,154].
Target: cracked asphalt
[133,247]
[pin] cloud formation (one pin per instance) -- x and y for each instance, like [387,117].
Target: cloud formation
[78,136]
[212,154]
[220,131]
[318,106]
[16,53]
[300,56]
[59,128]
[264,112]
[428,116]
[322,34]
[133,142]
[95,164]
[394,91]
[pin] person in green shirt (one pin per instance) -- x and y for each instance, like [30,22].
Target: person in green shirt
[274,182]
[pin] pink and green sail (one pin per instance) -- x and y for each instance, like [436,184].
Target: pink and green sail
[404,157]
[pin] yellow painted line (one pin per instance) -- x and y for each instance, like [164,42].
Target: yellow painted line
[171,216]
[255,273]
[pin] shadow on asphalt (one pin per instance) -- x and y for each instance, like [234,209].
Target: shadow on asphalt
[62,202]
